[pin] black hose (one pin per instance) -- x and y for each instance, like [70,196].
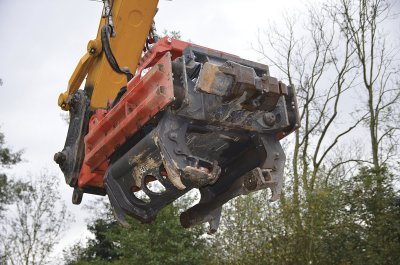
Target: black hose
[119,96]
[110,56]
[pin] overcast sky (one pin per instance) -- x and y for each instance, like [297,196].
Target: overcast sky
[42,41]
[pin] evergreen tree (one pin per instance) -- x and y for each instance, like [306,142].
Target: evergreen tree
[7,158]
[352,222]
[162,242]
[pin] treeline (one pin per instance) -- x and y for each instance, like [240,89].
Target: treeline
[356,222]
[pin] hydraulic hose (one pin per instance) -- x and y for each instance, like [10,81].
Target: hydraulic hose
[110,56]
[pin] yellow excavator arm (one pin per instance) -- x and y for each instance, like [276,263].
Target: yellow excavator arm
[126,25]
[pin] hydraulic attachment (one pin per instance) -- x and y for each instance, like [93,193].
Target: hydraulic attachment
[197,118]
[189,117]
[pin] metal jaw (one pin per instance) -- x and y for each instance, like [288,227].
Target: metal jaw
[214,138]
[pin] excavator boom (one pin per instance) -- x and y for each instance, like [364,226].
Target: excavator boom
[133,19]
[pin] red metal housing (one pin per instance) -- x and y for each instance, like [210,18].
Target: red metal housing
[146,95]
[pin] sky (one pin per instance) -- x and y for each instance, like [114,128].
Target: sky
[42,41]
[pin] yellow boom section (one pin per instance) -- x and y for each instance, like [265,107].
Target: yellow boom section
[132,20]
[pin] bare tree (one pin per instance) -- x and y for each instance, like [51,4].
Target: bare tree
[362,23]
[35,223]
[320,65]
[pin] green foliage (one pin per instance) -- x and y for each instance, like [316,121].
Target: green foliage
[162,242]
[4,192]
[353,222]
[245,224]
[98,250]
[375,218]
[7,188]
[7,157]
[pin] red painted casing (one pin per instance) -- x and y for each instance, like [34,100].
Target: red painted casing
[146,96]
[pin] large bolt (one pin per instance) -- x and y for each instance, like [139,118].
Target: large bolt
[269,118]
[60,157]
[173,136]
[250,181]
[178,151]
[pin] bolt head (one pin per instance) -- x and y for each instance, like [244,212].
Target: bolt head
[173,135]
[250,182]
[178,151]
[269,118]
[60,157]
